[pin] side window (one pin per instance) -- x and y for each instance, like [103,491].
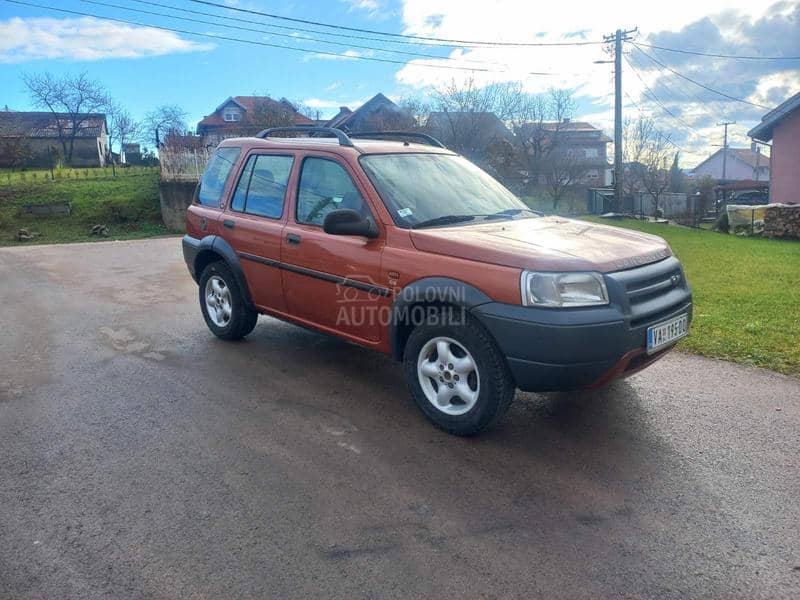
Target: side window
[212,184]
[325,186]
[262,186]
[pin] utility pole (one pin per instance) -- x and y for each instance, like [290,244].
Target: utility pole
[725,156]
[618,37]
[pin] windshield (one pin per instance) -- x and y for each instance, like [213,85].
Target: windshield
[439,189]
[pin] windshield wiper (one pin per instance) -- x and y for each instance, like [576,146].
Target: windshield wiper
[444,220]
[510,212]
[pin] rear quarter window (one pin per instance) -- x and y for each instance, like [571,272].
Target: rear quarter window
[216,173]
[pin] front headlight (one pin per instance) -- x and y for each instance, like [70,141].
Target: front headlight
[563,289]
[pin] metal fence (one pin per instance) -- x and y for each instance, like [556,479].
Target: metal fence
[183,164]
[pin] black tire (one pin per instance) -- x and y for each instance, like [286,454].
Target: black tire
[242,319]
[496,389]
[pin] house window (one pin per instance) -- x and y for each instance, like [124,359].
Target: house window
[592,174]
[232,116]
[590,152]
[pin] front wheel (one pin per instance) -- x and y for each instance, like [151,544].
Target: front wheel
[223,306]
[457,376]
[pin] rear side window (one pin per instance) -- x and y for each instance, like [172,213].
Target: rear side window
[262,185]
[326,186]
[212,184]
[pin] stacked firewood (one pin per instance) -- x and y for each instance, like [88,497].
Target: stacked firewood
[782,221]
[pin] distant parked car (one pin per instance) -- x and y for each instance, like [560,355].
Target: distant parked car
[750,197]
[746,198]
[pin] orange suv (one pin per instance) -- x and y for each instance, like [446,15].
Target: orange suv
[393,242]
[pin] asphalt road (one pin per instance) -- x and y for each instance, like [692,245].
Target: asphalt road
[140,457]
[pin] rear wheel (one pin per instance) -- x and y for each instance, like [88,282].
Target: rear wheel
[457,376]
[222,303]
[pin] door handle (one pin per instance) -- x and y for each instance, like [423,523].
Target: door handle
[228,223]
[292,238]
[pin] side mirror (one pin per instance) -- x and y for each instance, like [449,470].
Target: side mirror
[346,221]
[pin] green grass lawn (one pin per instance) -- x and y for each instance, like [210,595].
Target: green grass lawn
[34,176]
[746,294]
[128,205]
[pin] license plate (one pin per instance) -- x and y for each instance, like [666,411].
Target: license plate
[666,333]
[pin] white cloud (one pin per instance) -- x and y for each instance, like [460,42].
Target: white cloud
[333,103]
[85,39]
[574,68]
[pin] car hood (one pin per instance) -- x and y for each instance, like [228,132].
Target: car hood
[547,244]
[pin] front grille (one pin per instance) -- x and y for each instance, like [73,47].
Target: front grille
[639,291]
[651,292]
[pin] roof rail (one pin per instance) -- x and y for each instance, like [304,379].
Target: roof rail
[337,133]
[424,137]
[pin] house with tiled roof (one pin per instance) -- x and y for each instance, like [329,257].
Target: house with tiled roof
[378,113]
[246,115]
[42,138]
[582,141]
[741,164]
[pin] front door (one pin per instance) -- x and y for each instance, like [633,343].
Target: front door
[332,281]
[253,225]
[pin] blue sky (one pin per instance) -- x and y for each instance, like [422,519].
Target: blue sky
[143,67]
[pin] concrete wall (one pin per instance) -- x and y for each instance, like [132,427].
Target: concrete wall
[785,183]
[175,196]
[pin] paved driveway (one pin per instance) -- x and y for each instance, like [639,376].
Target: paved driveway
[142,458]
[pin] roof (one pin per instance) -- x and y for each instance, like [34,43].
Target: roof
[360,146]
[482,124]
[249,104]
[45,124]
[763,131]
[339,117]
[578,131]
[346,116]
[745,155]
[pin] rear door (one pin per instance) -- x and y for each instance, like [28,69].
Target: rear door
[203,216]
[254,221]
[332,281]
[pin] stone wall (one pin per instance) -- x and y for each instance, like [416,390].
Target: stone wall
[782,221]
[175,196]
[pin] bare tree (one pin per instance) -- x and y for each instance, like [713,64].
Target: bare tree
[655,177]
[167,118]
[469,117]
[71,99]
[636,137]
[122,129]
[561,169]
[268,113]
[538,120]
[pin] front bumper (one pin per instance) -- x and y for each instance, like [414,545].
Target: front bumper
[569,349]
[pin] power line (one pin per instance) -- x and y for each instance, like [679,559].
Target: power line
[697,83]
[258,43]
[684,93]
[641,112]
[389,34]
[655,99]
[285,35]
[711,54]
[314,31]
